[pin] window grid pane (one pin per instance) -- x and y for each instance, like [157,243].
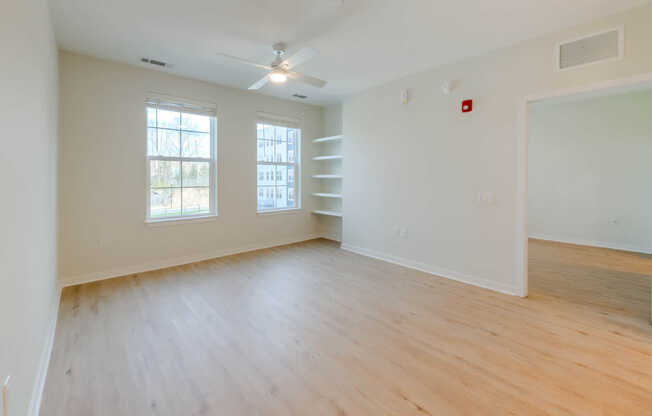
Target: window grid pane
[165,202]
[164,174]
[179,187]
[195,201]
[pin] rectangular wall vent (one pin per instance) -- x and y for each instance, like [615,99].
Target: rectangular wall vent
[588,50]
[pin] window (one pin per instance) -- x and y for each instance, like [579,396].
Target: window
[181,155]
[278,166]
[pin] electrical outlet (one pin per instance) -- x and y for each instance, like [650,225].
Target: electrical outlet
[486,198]
[5,392]
[400,232]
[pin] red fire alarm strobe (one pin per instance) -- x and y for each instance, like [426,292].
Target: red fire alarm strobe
[467,106]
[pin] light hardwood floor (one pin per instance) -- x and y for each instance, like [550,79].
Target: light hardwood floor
[309,329]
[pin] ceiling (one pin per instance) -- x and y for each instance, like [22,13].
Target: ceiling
[360,43]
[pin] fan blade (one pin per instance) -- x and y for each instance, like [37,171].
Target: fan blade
[244,61]
[298,58]
[306,79]
[260,83]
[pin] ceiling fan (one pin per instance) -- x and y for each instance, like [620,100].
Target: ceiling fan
[280,68]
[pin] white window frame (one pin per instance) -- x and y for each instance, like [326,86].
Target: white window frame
[281,121]
[189,107]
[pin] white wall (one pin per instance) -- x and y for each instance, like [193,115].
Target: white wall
[103,194]
[590,171]
[422,165]
[28,179]
[333,120]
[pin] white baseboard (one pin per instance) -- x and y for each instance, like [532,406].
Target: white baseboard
[177,261]
[435,270]
[44,362]
[590,243]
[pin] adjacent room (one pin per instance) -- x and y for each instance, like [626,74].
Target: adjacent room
[589,205]
[325,207]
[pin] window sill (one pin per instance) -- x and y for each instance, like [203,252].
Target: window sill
[279,211]
[168,222]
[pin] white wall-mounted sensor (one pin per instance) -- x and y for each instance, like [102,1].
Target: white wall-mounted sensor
[404,97]
[447,87]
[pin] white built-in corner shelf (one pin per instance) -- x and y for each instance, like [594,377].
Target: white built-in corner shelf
[328,213]
[332,196]
[325,195]
[331,157]
[327,176]
[328,139]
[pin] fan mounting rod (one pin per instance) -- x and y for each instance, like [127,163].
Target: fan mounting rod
[279,48]
[279,51]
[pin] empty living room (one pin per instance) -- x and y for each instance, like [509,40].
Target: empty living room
[325,207]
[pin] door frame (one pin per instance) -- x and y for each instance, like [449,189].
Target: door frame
[521,230]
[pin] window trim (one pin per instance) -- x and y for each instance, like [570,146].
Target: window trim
[279,211]
[289,122]
[212,160]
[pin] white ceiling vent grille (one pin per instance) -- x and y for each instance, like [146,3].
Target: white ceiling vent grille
[588,50]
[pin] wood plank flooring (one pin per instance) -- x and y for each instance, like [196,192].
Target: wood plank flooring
[309,329]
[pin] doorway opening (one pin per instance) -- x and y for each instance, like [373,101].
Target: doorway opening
[585,225]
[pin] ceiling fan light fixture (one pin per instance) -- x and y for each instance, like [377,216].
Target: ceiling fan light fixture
[278,77]
[281,69]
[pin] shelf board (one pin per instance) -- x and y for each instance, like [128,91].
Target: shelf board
[327,176]
[329,213]
[328,139]
[325,195]
[330,157]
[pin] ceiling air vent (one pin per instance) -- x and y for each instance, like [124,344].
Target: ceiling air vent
[154,62]
[303,97]
[598,47]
